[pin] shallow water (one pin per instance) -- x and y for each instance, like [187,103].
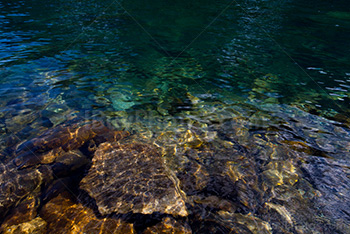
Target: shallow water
[269,78]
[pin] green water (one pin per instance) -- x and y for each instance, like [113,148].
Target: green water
[264,51]
[280,70]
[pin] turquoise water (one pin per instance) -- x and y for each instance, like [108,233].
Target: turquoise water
[270,51]
[279,70]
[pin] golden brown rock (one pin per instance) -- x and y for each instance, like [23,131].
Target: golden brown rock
[281,172]
[64,216]
[35,226]
[299,146]
[24,212]
[63,138]
[191,140]
[168,226]
[57,147]
[132,178]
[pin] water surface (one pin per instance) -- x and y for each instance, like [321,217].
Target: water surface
[270,76]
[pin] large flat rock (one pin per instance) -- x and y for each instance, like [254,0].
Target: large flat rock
[132,178]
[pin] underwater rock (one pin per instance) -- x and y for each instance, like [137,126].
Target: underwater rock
[64,216]
[233,174]
[18,122]
[193,178]
[41,124]
[67,162]
[63,138]
[214,202]
[132,178]
[59,186]
[218,168]
[174,100]
[18,184]
[57,148]
[254,224]
[207,221]
[281,172]
[168,226]
[23,212]
[235,128]
[2,127]
[191,140]
[299,146]
[282,211]
[63,162]
[279,217]
[332,180]
[35,226]
[168,98]
[121,101]
[58,113]
[297,209]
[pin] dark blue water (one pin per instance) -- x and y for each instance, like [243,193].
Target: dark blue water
[267,74]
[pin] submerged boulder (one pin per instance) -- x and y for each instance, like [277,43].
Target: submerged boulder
[63,215]
[18,184]
[22,213]
[64,138]
[56,153]
[132,178]
[35,226]
[331,178]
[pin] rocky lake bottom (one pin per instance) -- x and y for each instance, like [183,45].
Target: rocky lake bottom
[221,175]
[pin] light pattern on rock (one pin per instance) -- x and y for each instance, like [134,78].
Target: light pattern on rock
[17,184]
[63,138]
[132,178]
[35,226]
[64,216]
[24,212]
